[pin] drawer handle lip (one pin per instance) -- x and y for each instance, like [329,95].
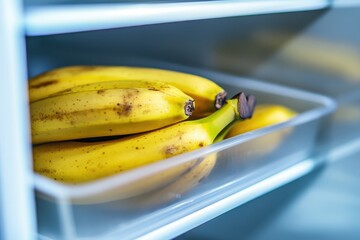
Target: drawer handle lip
[208,209]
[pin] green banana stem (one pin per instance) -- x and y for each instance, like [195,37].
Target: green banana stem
[224,132]
[240,107]
[217,121]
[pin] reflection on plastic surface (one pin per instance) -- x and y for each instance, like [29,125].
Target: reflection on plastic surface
[175,189]
[323,55]
[321,205]
[311,52]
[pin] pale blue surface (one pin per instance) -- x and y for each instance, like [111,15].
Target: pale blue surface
[323,205]
[17,213]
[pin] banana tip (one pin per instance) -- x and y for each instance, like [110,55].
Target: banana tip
[246,105]
[189,107]
[220,99]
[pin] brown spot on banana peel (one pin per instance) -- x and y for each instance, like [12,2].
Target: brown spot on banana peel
[46,171]
[170,150]
[153,89]
[68,90]
[173,150]
[121,109]
[124,109]
[44,84]
[100,92]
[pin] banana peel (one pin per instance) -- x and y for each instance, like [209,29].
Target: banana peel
[264,115]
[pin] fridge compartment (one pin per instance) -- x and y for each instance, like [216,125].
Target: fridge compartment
[111,207]
[297,63]
[315,52]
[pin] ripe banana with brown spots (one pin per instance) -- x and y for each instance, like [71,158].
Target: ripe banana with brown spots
[104,109]
[264,115]
[208,95]
[76,162]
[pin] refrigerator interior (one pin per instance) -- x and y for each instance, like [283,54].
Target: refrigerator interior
[325,58]
[313,52]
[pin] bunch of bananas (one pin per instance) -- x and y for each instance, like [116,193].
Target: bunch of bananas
[142,109]
[208,95]
[263,116]
[90,122]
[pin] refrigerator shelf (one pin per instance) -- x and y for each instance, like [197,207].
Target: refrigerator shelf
[22,22]
[246,167]
[57,17]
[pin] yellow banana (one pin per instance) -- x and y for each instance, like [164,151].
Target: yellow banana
[174,190]
[142,185]
[208,95]
[76,162]
[176,187]
[264,115]
[108,109]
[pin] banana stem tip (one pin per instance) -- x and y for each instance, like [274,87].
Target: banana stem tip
[220,99]
[246,105]
[189,107]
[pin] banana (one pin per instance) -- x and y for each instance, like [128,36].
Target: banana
[183,183]
[107,109]
[143,184]
[264,115]
[79,162]
[175,190]
[208,95]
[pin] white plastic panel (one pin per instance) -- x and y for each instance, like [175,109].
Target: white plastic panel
[345,3]
[17,213]
[199,217]
[60,18]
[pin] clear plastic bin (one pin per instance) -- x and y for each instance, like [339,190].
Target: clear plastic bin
[111,207]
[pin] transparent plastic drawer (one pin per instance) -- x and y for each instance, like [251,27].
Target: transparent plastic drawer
[137,202]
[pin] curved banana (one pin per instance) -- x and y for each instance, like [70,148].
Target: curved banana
[76,162]
[208,95]
[176,189]
[142,185]
[264,115]
[107,109]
